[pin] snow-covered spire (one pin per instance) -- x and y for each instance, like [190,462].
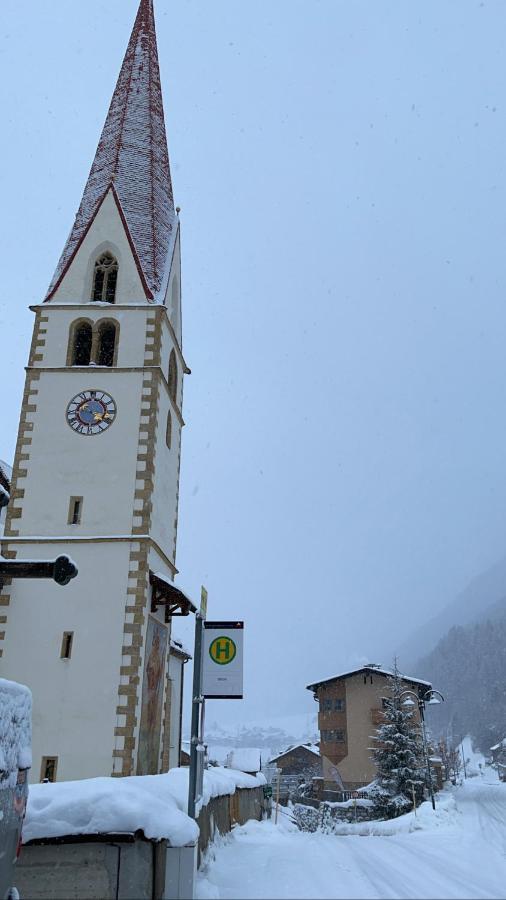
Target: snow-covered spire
[132,159]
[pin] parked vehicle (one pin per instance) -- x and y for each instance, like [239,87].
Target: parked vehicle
[15,761]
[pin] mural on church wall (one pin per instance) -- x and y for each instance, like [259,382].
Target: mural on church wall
[152,698]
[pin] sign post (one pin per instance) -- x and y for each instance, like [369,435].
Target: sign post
[196,776]
[217,675]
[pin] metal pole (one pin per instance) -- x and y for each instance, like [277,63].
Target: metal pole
[196,702]
[463,757]
[277,797]
[426,751]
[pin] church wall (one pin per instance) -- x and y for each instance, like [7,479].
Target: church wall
[91,466]
[131,339]
[74,700]
[106,233]
[173,295]
[166,476]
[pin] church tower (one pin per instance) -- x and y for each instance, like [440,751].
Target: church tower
[96,469]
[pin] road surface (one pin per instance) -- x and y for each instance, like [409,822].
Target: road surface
[457,852]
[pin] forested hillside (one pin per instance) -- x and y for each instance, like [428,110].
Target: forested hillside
[469,667]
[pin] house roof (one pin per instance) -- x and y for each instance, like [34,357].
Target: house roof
[179,649]
[132,159]
[373,670]
[311,748]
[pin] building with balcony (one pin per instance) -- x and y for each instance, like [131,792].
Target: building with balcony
[350,709]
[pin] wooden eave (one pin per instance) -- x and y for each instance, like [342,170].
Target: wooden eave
[172,598]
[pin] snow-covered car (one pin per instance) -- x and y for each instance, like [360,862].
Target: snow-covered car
[15,761]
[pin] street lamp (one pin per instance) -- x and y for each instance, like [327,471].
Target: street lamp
[431,697]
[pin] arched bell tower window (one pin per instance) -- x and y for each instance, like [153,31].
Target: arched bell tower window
[106,344]
[173,376]
[105,278]
[81,340]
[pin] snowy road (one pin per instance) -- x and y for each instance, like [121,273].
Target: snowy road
[457,852]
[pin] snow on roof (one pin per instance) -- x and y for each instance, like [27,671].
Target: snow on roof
[179,647]
[245,759]
[132,160]
[15,730]
[312,748]
[379,670]
[153,804]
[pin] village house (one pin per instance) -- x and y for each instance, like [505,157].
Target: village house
[303,760]
[350,709]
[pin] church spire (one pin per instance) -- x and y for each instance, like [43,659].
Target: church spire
[132,159]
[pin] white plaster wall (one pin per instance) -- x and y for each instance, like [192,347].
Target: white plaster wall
[173,295]
[101,468]
[106,233]
[132,333]
[176,686]
[166,477]
[167,345]
[74,701]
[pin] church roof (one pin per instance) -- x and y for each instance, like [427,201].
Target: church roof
[132,159]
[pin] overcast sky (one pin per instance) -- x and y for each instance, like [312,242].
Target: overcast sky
[341,172]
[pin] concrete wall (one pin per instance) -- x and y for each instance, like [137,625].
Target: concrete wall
[120,867]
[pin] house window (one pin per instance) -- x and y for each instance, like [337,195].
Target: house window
[48,768]
[334,736]
[106,344]
[173,376]
[81,345]
[168,432]
[75,509]
[338,705]
[66,645]
[326,705]
[105,278]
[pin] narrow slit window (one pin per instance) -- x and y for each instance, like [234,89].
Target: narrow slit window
[48,769]
[75,510]
[105,279]
[66,645]
[173,376]
[168,433]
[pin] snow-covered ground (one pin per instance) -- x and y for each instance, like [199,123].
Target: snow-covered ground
[457,852]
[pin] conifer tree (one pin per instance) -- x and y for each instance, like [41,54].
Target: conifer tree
[398,754]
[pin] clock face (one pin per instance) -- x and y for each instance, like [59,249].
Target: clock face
[91,412]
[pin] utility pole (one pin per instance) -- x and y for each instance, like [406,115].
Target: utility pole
[198,705]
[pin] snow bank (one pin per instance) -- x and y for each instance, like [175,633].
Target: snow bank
[475,761]
[15,730]
[425,818]
[153,804]
[245,759]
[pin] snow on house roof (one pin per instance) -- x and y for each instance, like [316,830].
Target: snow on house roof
[373,670]
[312,748]
[132,160]
[179,647]
[153,804]
[245,759]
